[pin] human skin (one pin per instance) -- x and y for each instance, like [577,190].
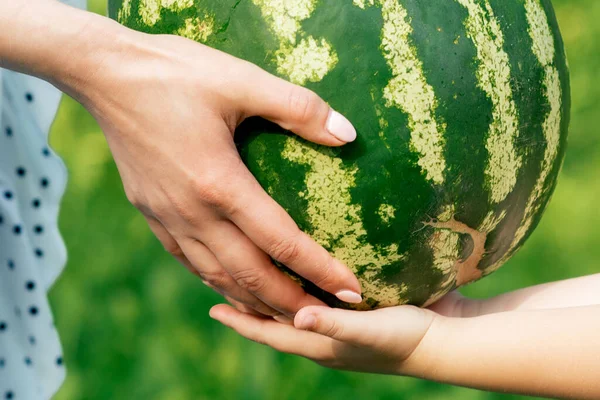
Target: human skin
[540,341]
[169,107]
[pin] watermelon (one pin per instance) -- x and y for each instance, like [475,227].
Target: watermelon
[462,112]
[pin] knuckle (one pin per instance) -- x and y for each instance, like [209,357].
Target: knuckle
[206,283]
[173,248]
[250,279]
[219,280]
[334,330]
[135,199]
[216,187]
[159,209]
[206,186]
[174,204]
[303,103]
[285,250]
[325,272]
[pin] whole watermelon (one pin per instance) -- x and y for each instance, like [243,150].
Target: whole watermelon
[462,111]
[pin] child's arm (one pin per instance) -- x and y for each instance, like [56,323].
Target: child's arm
[574,292]
[521,345]
[555,353]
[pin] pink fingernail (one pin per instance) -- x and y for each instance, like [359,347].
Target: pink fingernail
[340,127]
[308,322]
[349,296]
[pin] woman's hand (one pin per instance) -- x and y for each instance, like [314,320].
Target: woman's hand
[541,340]
[169,108]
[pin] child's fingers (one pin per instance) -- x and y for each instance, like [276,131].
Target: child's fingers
[343,325]
[281,337]
[379,330]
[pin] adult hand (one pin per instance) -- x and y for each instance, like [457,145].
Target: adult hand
[169,108]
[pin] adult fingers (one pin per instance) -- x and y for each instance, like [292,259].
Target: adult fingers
[213,273]
[281,337]
[170,244]
[295,108]
[242,307]
[253,270]
[276,233]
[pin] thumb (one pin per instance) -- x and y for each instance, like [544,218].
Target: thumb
[371,329]
[295,108]
[343,325]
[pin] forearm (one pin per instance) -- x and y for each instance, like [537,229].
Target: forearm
[541,352]
[52,41]
[576,292]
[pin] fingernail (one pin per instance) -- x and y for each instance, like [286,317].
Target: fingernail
[349,296]
[283,320]
[340,127]
[308,322]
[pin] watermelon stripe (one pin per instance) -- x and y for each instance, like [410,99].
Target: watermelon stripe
[150,9]
[364,3]
[310,59]
[494,74]
[336,219]
[445,245]
[198,29]
[284,17]
[543,48]
[177,5]
[124,12]
[194,28]
[491,221]
[409,90]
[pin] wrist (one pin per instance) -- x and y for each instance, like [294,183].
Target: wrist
[90,47]
[38,36]
[423,359]
[57,43]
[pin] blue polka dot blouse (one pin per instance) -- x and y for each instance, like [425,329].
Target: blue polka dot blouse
[32,252]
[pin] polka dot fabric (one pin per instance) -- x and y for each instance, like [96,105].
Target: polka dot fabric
[32,252]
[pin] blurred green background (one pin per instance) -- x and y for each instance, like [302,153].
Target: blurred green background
[134,324]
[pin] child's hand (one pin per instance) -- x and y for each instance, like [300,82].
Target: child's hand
[541,340]
[378,341]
